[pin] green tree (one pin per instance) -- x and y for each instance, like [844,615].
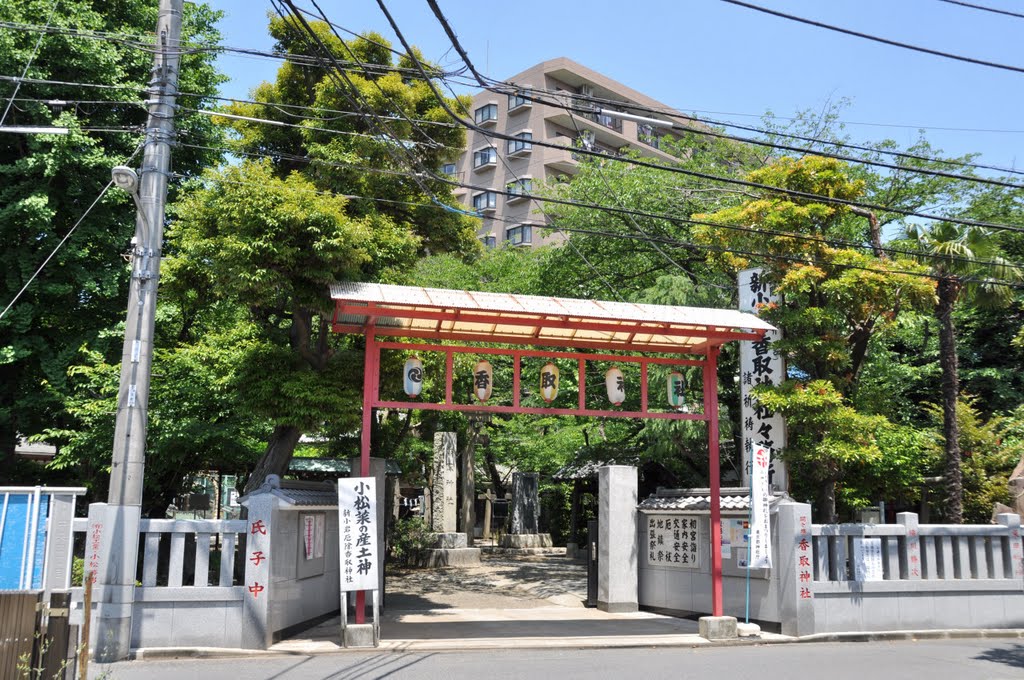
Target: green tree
[273,246]
[272,235]
[836,294]
[48,181]
[968,265]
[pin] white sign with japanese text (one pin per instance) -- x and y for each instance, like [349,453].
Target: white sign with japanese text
[672,541]
[357,525]
[760,526]
[867,559]
[760,364]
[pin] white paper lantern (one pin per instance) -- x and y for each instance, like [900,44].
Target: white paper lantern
[677,390]
[548,382]
[482,380]
[413,376]
[615,383]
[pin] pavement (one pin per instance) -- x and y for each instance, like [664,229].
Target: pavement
[520,602]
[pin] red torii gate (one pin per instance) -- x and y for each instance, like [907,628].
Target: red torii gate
[635,330]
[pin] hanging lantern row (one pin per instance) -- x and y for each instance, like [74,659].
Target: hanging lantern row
[483,383]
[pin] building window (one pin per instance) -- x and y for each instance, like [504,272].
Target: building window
[521,144]
[516,100]
[487,200]
[519,189]
[521,235]
[489,241]
[645,133]
[448,169]
[486,114]
[484,157]
[610,122]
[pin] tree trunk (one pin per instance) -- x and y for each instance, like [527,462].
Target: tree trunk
[275,459]
[492,472]
[948,291]
[827,505]
[874,231]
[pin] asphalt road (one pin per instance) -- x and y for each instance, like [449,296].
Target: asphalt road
[931,659]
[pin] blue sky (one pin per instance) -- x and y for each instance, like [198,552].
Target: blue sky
[729,62]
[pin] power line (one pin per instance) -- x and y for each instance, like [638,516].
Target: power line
[707,176]
[984,8]
[35,51]
[875,38]
[832,242]
[71,231]
[412,55]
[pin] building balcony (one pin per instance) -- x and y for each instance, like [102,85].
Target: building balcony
[561,160]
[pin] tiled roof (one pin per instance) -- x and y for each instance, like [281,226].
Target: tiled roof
[407,311]
[699,500]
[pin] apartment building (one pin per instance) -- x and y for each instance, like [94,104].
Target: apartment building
[515,166]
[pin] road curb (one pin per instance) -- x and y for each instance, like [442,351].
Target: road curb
[950,634]
[623,642]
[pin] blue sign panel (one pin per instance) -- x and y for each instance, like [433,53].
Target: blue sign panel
[18,545]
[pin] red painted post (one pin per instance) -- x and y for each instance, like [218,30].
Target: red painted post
[711,411]
[583,384]
[371,364]
[516,379]
[643,386]
[448,370]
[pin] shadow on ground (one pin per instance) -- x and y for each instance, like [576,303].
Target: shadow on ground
[1008,655]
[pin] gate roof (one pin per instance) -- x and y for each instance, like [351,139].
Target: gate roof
[434,313]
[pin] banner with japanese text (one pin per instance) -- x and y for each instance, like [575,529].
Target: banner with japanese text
[760,526]
[357,525]
[760,364]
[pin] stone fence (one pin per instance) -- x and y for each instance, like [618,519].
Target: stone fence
[182,597]
[833,578]
[223,583]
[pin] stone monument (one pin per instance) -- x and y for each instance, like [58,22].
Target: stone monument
[525,536]
[450,549]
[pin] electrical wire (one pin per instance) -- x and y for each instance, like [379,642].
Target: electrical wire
[412,55]
[875,38]
[805,260]
[707,176]
[832,242]
[302,59]
[232,116]
[71,231]
[24,72]
[984,8]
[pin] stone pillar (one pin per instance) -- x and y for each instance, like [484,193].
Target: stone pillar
[59,540]
[795,569]
[525,503]
[910,556]
[114,592]
[442,493]
[1015,568]
[488,498]
[450,547]
[257,628]
[467,484]
[617,543]
[574,519]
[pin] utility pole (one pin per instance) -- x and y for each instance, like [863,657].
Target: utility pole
[120,533]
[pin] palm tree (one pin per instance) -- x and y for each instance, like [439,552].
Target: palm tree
[967,264]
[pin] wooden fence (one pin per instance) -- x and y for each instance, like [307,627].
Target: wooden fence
[35,640]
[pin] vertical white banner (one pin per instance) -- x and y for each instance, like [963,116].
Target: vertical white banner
[760,364]
[357,525]
[760,525]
